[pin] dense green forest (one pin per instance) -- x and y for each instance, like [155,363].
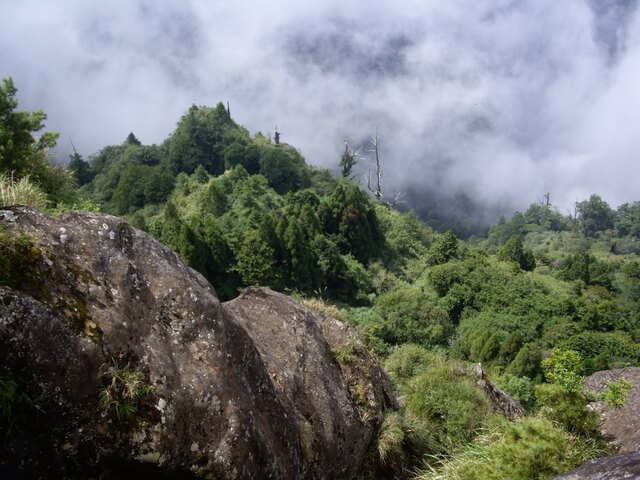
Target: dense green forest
[541,301]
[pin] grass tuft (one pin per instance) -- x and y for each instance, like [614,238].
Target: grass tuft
[123,391]
[21,192]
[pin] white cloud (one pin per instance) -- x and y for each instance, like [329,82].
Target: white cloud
[505,100]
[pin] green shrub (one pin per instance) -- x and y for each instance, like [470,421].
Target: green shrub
[564,368]
[531,448]
[446,397]
[443,277]
[406,361]
[513,251]
[404,434]
[374,330]
[603,350]
[563,400]
[342,355]
[520,388]
[443,408]
[415,316]
[527,362]
[569,408]
[443,249]
[617,393]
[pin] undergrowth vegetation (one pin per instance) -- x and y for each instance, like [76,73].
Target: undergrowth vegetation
[530,448]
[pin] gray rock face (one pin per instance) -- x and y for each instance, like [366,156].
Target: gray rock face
[298,348]
[625,466]
[128,359]
[500,400]
[622,426]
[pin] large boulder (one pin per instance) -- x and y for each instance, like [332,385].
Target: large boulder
[301,350]
[121,359]
[625,466]
[622,426]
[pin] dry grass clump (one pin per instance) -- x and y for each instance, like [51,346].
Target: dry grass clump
[21,192]
[318,305]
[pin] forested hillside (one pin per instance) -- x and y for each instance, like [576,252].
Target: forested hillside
[541,301]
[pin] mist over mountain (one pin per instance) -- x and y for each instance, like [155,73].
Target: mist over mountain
[487,104]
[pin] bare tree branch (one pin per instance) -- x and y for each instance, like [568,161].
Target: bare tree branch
[546,200]
[397,198]
[75,152]
[377,190]
[573,216]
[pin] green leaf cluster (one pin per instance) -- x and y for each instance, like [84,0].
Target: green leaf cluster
[617,393]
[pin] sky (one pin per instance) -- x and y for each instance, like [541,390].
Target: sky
[502,101]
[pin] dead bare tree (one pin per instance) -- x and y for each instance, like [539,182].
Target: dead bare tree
[573,216]
[546,201]
[397,198]
[377,189]
[277,137]
[75,152]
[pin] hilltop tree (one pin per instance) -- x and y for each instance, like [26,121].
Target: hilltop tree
[513,251]
[256,261]
[546,217]
[140,185]
[348,161]
[199,139]
[348,215]
[80,168]
[112,162]
[132,140]
[21,153]
[284,168]
[245,153]
[628,219]
[594,215]
[300,259]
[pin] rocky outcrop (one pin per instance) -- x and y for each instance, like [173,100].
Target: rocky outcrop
[500,400]
[301,350]
[125,361]
[622,426]
[619,467]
